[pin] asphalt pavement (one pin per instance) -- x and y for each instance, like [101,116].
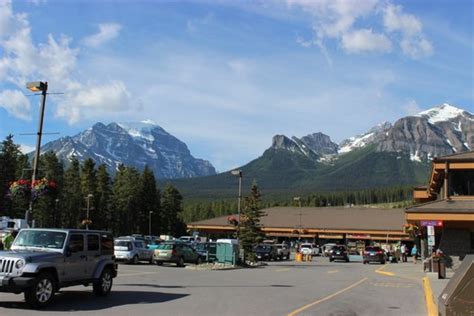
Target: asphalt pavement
[280,288]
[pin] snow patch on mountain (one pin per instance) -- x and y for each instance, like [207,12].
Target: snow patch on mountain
[442,113]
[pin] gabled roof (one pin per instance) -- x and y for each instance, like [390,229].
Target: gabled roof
[465,156]
[444,206]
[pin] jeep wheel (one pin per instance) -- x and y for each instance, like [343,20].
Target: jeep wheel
[42,291]
[198,261]
[159,263]
[103,286]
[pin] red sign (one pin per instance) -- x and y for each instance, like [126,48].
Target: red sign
[432,223]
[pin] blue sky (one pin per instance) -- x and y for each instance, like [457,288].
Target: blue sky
[225,76]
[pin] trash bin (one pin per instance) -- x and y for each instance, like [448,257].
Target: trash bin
[441,269]
[299,257]
[457,298]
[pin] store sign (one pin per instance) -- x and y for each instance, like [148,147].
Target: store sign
[431,240]
[357,236]
[326,236]
[430,230]
[432,223]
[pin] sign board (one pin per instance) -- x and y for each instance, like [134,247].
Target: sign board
[431,240]
[430,230]
[432,223]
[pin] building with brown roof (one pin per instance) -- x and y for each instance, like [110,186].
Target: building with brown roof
[321,224]
[447,204]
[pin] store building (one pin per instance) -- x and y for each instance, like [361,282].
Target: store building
[447,204]
[320,225]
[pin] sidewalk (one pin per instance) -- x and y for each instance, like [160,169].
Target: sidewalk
[408,270]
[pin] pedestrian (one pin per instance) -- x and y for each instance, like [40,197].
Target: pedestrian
[8,239]
[403,250]
[414,253]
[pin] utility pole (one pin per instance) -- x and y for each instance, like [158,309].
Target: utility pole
[36,87]
[238,173]
[89,196]
[149,222]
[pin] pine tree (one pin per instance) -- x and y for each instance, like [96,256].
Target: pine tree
[171,208]
[72,200]
[126,201]
[10,156]
[102,216]
[250,234]
[149,202]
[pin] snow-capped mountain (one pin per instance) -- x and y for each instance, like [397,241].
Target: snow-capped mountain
[133,144]
[441,130]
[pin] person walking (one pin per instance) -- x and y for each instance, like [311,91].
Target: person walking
[8,239]
[414,253]
[403,250]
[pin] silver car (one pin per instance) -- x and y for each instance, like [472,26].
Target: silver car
[132,251]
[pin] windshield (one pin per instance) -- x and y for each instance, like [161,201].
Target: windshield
[264,248]
[165,246]
[42,239]
[123,243]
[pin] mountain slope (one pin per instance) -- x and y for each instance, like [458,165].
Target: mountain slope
[386,155]
[133,144]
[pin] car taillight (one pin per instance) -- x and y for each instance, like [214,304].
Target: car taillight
[379,252]
[173,253]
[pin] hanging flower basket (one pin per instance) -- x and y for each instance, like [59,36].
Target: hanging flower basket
[20,188]
[413,230]
[232,220]
[42,187]
[86,222]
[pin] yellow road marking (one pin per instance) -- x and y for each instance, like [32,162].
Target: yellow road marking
[299,310]
[431,308]
[379,271]
[282,270]
[333,271]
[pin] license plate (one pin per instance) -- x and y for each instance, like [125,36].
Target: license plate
[338,253]
[259,257]
[372,254]
[162,254]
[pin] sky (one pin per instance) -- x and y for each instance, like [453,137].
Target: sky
[224,76]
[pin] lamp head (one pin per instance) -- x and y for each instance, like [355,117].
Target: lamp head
[237,173]
[37,86]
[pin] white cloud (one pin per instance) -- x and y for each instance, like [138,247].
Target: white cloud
[413,42]
[365,41]
[193,25]
[350,22]
[16,103]
[92,100]
[412,107]
[107,32]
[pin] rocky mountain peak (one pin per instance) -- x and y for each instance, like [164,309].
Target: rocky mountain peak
[444,112]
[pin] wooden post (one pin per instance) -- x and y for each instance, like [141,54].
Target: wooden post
[446,182]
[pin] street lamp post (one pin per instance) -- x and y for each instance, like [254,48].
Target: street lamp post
[36,87]
[149,222]
[89,196]
[238,173]
[297,198]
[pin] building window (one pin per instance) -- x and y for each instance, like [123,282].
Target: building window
[461,182]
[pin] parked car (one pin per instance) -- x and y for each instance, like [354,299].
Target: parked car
[339,252]
[374,254]
[43,261]
[153,244]
[188,239]
[316,250]
[283,251]
[307,249]
[132,251]
[266,252]
[207,251]
[176,252]
[326,251]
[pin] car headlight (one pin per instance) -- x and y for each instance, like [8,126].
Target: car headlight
[19,263]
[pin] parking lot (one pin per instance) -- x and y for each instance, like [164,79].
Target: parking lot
[280,288]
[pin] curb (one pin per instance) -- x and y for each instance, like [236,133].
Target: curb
[431,307]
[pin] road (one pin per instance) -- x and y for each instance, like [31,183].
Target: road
[281,288]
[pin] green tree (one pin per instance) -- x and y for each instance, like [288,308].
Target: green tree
[149,202]
[126,201]
[250,234]
[102,216]
[72,200]
[10,158]
[171,208]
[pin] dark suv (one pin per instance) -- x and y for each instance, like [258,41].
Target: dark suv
[339,252]
[374,254]
[44,260]
[266,252]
